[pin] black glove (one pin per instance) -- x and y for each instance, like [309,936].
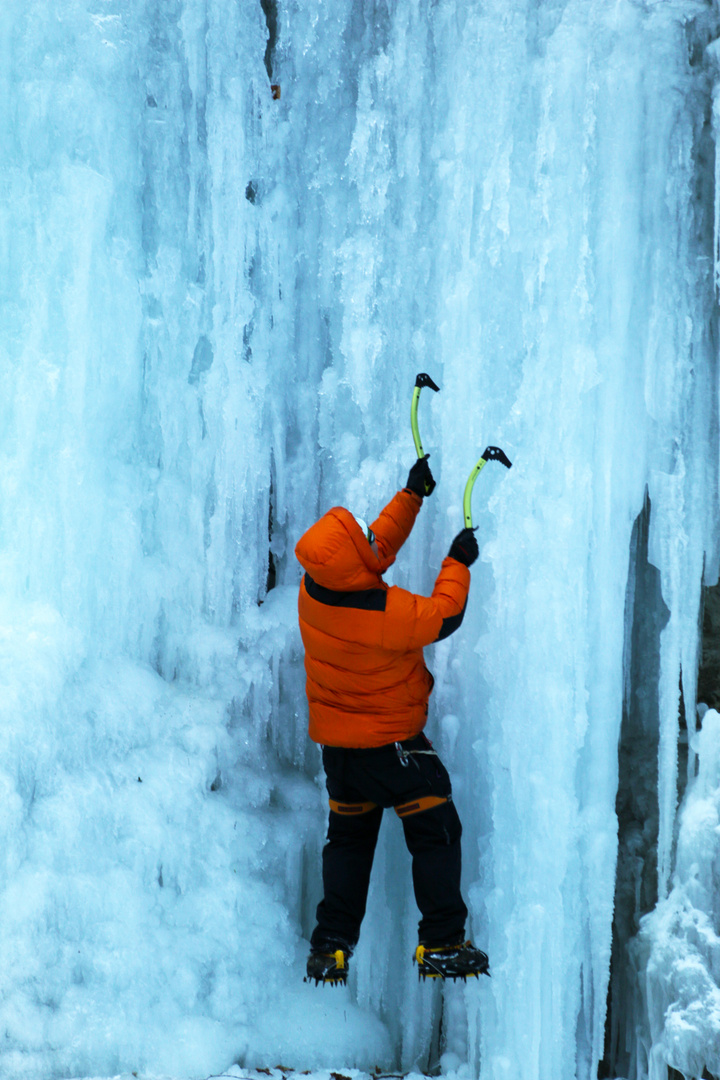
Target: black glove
[464,547]
[420,479]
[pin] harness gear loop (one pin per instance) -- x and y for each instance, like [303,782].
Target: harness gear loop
[404,754]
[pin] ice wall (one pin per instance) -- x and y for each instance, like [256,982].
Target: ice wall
[161,825]
[215,301]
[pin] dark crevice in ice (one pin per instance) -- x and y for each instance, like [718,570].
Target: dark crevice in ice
[202,359]
[270,11]
[271,579]
[699,33]
[543,19]
[247,338]
[209,509]
[157,655]
[637,798]
[683,746]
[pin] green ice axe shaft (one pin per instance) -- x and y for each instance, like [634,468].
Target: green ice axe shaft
[490,453]
[420,381]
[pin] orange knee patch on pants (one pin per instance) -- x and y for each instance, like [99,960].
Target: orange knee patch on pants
[416,806]
[351,809]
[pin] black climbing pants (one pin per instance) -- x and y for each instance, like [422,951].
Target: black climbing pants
[410,777]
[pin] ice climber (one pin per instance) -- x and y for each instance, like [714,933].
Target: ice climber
[368,690]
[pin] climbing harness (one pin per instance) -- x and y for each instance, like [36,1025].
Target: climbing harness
[404,754]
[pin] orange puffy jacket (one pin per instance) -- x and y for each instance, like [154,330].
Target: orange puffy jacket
[367,684]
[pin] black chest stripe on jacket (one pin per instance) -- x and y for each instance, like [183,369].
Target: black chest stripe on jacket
[366,599]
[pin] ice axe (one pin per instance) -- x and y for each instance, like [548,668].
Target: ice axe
[421,380]
[490,453]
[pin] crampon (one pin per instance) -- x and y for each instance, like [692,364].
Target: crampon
[462,961]
[329,968]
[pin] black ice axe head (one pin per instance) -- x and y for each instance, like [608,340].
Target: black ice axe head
[421,381]
[490,453]
[494,453]
[424,380]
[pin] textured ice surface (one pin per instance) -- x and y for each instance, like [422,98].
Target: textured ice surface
[214,305]
[677,952]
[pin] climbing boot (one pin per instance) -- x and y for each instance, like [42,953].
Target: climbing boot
[461,961]
[328,967]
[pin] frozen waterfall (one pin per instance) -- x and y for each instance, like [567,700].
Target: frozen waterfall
[230,235]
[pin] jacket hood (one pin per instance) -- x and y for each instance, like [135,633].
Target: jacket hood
[337,555]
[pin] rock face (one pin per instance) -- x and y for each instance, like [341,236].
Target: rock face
[708,690]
